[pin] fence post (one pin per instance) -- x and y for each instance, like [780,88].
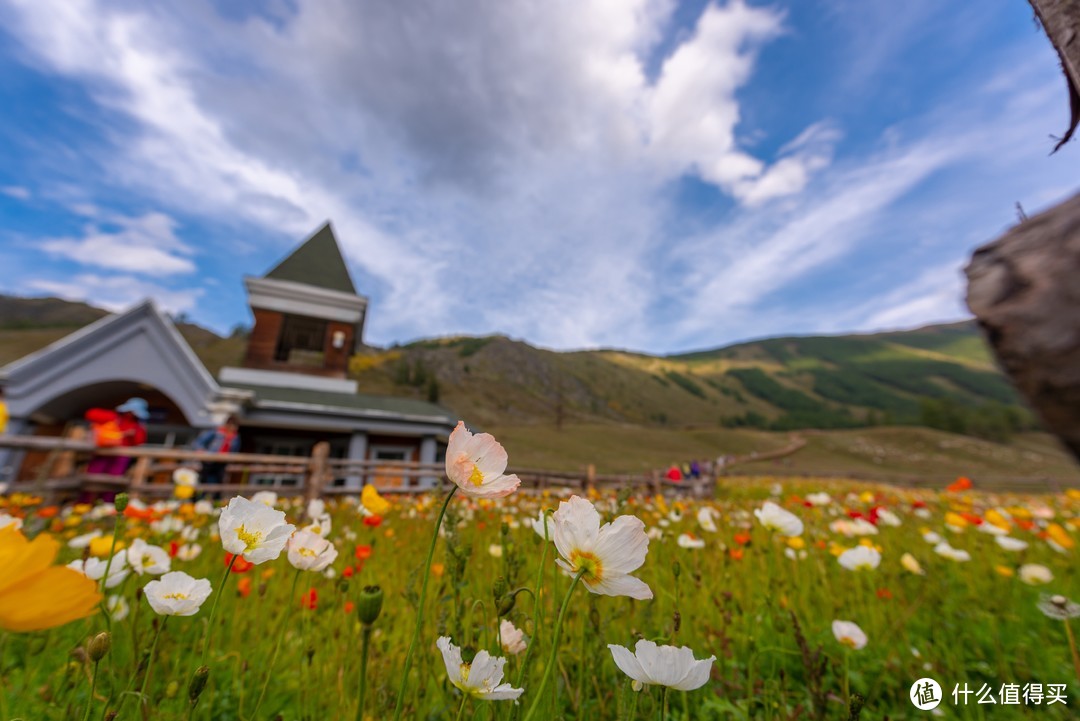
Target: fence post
[317,471]
[139,472]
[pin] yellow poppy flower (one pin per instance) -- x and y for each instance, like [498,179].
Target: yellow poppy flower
[373,502]
[1060,536]
[101,546]
[1005,571]
[796,543]
[36,595]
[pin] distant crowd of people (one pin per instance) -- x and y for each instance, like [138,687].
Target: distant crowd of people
[694,469]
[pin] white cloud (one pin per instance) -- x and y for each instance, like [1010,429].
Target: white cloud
[146,244]
[16,191]
[116,292]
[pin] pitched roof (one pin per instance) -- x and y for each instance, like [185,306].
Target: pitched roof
[318,262]
[349,404]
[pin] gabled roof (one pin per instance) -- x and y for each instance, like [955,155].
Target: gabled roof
[317,262]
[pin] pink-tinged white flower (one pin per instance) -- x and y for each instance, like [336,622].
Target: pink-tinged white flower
[1011,544]
[687,540]
[144,558]
[852,528]
[849,634]
[887,517]
[511,638]
[253,530]
[1035,574]
[94,569]
[953,554]
[310,552]
[671,666]
[177,594]
[480,679]
[778,520]
[606,554]
[476,464]
[860,558]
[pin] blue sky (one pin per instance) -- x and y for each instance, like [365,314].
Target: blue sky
[643,174]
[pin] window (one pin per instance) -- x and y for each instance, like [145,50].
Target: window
[301,341]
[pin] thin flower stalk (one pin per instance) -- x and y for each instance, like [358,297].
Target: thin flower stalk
[553,658]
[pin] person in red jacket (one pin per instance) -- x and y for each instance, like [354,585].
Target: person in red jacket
[121,427]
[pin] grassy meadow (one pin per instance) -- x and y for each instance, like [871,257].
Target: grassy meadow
[762,603]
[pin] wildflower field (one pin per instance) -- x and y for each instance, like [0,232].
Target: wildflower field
[777,599]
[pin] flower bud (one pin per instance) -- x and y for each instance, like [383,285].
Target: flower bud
[198,683]
[369,605]
[111,716]
[172,689]
[676,569]
[120,502]
[99,646]
[499,588]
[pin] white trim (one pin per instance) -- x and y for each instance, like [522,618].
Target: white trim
[353,412]
[299,299]
[282,379]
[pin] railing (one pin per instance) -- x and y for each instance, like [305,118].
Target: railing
[62,472]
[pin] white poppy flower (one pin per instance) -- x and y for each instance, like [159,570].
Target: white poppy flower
[860,558]
[79,541]
[776,519]
[849,634]
[267,498]
[671,666]
[953,554]
[1035,574]
[204,507]
[543,519]
[144,558]
[911,564]
[94,569]
[320,525]
[118,607]
[1011,544]
[931,537]
[310,552]
[887,517]
[185,477]
[819,499]
[706,518]
[253,530]
[177,594]
[188,552]
[511,638]
[7,520]
[476,464]
[479,679]
[685,540]
[316,508]
[607,554]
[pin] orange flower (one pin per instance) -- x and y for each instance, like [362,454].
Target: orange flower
[310,600]
[34,594]
[372,521]
[48,511]
[743,539]
[884,594]
[349,606]
[736,554]
[961,484]
[1060,536]
[363,553]
[242,565]
[437,569]
[243,586]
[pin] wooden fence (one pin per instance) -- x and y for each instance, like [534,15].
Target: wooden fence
[61,473]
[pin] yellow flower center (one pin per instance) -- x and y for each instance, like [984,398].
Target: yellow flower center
[250,538]
[588,562]
[147,560]
[307,552]
[476,477]
[177,596]
[465,668]
[848,641]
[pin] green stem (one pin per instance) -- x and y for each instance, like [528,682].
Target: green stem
[536,609]
[277,644]
[461,708]
[663,703]
[93,688]
[633,703]
[420,608]
[847,687]
[213,610]
[150,660]
[365,641]
[108,566]
[553,659]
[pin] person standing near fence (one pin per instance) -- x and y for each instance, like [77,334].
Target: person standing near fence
[223,439]
[120,427]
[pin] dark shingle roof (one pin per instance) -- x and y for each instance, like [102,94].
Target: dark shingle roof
[318,262]
[350,403]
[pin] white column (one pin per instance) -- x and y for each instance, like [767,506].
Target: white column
[357,452]
[11,458]
[428,450]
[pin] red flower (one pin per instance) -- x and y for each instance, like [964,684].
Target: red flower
[348,572]
[363,553]
[349,606]
[242,565]
[962,484]
[884,593]
[373,521]
[174,548]
[743,539]
[309,600]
